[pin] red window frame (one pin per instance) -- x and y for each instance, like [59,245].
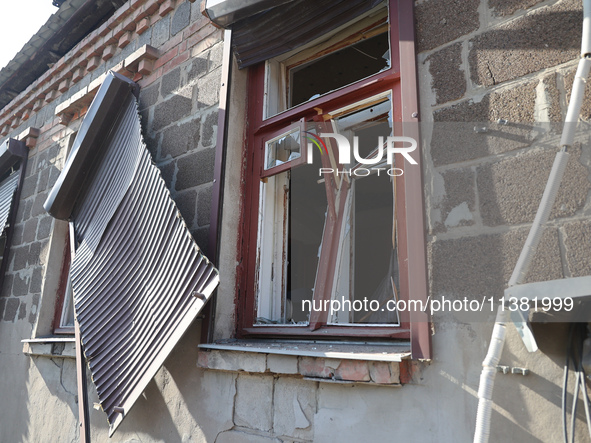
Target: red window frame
[400,79]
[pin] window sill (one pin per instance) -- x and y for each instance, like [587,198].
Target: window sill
[375,364]
[53,347]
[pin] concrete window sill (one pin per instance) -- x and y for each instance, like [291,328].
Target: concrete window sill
[53,347]
[375,364]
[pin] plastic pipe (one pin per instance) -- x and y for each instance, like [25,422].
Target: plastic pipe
[576,99]
[487,377]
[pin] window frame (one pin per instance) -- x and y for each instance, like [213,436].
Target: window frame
[412,261]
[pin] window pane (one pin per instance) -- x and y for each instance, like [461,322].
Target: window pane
[367,266]
[339,68]
[291,222]
[67,318]
[282,149]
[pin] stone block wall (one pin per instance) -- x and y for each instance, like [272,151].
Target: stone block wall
[494,83]
[506,67]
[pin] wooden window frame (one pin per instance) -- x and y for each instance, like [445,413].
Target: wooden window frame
[400,80]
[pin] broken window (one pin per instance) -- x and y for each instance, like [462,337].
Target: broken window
[324,231]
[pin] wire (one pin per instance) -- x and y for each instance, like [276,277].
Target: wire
[565,384]
[575,353]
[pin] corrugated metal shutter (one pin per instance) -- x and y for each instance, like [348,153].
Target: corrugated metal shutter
[286,27]
[7,189]
[139,279]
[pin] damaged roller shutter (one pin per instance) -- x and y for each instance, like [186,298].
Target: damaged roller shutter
[139,279]
[13,163]
[262,30]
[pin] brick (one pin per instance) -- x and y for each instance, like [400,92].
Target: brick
[181,18]
[171,111]
[11,309]
[135,4]
[457,206]
[294,405]
[448,80]
[503,8]
[145,67]
[352,370]
[510,190]
[577,242]
[204,206]
[252,409]
[187,203]
[93,63]
[505,53]
[314,367]
[125,40]
[77,75]
[384,372]
[453,141]
[109,52]
[142,26]
[195,169]
[2,305]
[171,43]
[489,261]
[170,82]
[178,140]
[166,7]
[64,85]
[166,57]
[178,60]
[441,21]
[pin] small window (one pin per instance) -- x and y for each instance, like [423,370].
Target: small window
[64,306]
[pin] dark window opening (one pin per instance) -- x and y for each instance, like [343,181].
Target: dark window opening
[339,68]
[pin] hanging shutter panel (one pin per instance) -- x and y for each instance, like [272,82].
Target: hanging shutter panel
[139,279]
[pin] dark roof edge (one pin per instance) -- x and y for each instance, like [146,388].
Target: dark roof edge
[96,124]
